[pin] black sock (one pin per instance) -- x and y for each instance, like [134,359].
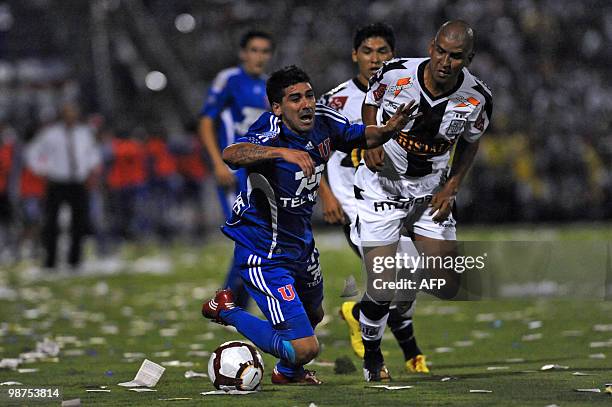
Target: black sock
[403,331]
[355,310]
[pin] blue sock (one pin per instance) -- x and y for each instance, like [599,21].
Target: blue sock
[260,332]
[290,369]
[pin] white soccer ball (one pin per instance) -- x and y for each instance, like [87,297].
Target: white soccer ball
[236,365]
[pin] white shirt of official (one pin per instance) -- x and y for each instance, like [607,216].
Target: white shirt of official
[64,154]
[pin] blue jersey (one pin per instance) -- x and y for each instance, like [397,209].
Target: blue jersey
[235,100]
[271,216]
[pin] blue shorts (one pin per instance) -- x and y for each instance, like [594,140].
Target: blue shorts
[283,291]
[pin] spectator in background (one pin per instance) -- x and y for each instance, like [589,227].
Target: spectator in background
[67,155]
[8,160]
[31,201]
[164,182]
[190,163]
[236,99]
[126,178]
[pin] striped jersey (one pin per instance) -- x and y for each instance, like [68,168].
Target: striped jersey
[425,144]
[272,216]
[347,99]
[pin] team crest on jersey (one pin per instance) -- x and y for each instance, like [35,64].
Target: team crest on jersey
[380,91]
[400,85]
[325,148]
[337,102]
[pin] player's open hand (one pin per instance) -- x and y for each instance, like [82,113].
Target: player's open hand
[404,114]
[332,210]
[375,158]
[442,203]
[224,176]
[300,158]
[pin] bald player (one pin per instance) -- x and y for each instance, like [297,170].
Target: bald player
[407,186]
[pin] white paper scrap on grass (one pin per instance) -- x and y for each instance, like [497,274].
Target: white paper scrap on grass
[597,356]
[141,389]
[98,390]
[27,370]
[387,387]
[11,383]
[588,390]
[582,374]
[148,375]
[480,391]
[176,399]
[554,367]
[224,393]
[191,374]
[498,367]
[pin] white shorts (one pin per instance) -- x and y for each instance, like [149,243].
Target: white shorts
[341,180]
[387,202]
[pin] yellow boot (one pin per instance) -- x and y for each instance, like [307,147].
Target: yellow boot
[346,312]
[417,364]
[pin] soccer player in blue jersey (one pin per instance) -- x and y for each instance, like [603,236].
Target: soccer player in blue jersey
[284,153]
[236,99]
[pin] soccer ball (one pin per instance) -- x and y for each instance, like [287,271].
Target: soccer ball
[236,365]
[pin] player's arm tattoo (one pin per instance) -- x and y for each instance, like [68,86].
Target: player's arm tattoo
[463,159]
[245,154]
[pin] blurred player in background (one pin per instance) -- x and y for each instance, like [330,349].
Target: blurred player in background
[236,99]
[372,45]
[409,187]
[285,153]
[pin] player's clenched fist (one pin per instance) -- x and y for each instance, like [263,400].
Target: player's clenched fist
[300,158]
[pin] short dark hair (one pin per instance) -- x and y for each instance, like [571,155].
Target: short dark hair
[283,78]
[385,31]
[249,35]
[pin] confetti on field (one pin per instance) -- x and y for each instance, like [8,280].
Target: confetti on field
[387,387]
[224,393]
[597,356]
[141,389]
[531,337]
[443,349]
[191,374]
[572,333]
[148,375]
[582,374]
[498,368]
[554,367]
[98,390]
[534,324]
[11,384]
[601,344]
[514,360]
[350,288]
[176,399]
[602,327]
[27,370]
[480,391]
[71,403]
[199,353]
[588,390]
[176,363]
[163,354]
[446,379]
[463,344]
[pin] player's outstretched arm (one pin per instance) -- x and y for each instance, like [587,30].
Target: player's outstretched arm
[379,135]
[246,154]
[463,158]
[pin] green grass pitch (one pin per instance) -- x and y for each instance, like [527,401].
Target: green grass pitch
[159,316]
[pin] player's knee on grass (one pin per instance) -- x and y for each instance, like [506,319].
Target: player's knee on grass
[306,349]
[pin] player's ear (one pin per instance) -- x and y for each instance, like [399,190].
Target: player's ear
[354,56]
[276,109]
[470,58]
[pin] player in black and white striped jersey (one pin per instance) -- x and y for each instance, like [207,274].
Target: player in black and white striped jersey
[373,44]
